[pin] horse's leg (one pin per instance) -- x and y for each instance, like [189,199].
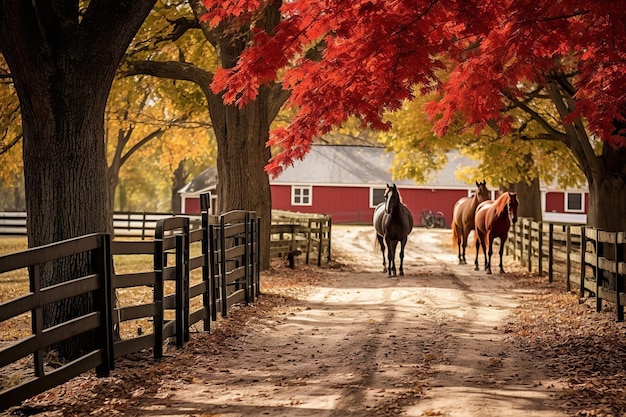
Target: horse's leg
[479,242]
[459,241]
[465,238]
[402,245]
[502,241]
[488,262]
[381,242]
[391,255]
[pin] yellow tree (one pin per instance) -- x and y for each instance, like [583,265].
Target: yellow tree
[507,161]
[11,176]
[241,133]
[145,117]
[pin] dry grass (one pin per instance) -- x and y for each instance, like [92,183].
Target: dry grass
[15,284]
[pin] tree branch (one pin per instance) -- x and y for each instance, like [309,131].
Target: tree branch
[550,130]
[155,134]
[173,70]
[12,143]
[199,10]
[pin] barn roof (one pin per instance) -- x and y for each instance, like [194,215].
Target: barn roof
[203,182]
[344,165]
[362,165]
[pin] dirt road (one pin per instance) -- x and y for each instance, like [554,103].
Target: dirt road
[363,344]
[357,343]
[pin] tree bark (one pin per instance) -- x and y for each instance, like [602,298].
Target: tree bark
[242,155]
[607,191]
[605,172]
[241,134]
[179,179]
[63,63]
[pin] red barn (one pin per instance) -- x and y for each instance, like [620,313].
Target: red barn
[346,182]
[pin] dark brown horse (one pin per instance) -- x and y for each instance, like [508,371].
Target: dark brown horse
[493,219]
[463,217]
[393,223]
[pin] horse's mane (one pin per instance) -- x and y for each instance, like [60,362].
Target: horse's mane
[501,203]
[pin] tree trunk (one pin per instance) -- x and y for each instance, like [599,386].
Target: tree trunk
[242,135]
[529,196]
[179,179]
[607,192]
[63,66]
[242,155]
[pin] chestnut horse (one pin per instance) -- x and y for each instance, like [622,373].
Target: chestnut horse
[493,219]
[463,217]
[393,223]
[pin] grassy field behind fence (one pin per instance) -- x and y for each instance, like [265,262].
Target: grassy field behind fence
[15,284]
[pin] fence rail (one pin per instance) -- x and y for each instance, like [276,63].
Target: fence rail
[291,233]
[229,270]
[589,259]
[226,271]
[294,234]
[125,224]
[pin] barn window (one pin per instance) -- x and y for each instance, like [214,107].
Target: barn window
[301,195]
[377,196]
[575,202]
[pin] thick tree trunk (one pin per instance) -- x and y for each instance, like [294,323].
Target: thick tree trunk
[242,156]
[242,135]
[63,66]
[607,192]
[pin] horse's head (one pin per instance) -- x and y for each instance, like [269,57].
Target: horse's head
[392,198]
[482,193]
[512,206]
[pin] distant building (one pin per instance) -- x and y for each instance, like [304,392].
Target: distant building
[205,182]
[347,182]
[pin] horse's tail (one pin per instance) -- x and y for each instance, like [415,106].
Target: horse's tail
[455,237]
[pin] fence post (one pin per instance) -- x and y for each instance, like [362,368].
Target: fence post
[143,225]
[223,271]
[182,290]
[320,246]
[599,254]
[251,255]
[246,258]
[308,241]
[540,246]
[330,231]
[568,259]
[102,264]
[515,241]
[583,267]
[157,323]
[550,252]
[530,245]
[258,256]
[619,285]
[519,241]
[214,271]
[205,205]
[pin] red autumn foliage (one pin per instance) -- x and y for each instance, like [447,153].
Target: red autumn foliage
[377,53]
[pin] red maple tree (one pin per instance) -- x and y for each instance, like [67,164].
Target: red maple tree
[501,55]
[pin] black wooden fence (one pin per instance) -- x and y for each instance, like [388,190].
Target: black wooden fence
[228,264]
[589,259]
[291,234]
[307,234]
